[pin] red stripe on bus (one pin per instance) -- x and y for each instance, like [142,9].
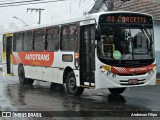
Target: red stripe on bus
[34,58]
[136,70]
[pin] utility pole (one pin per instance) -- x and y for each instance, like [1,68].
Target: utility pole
[37,10]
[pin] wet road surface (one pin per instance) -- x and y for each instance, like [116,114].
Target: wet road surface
[39,97]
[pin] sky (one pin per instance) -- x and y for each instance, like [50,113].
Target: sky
[53,11]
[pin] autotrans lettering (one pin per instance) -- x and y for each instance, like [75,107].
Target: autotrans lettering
[138,69]
[34,58]
[44,57]
[142,69]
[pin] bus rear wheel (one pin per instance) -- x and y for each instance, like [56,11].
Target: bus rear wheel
[116,91]
[22,79]
[71,85]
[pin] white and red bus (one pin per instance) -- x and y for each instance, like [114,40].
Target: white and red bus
[113,50]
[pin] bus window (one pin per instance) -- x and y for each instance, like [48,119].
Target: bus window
[52,38]
[17,42]
[28,41]
[69,38]
[39,40]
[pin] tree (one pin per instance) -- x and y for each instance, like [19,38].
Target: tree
[108,3]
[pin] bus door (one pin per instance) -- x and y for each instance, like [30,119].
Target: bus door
[9,38]
[87,55]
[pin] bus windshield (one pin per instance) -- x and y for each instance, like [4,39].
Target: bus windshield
[125,43]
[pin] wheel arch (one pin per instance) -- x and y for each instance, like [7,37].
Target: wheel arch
[20,65]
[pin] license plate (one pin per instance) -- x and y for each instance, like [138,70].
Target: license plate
[133,81]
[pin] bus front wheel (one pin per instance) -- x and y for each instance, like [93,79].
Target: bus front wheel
[22,79]
[71,85]
[116,91]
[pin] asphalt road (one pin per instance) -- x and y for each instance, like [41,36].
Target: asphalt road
[92,103]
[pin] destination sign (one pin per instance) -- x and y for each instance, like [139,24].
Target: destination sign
[121,18]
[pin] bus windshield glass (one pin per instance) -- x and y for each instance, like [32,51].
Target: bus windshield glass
[117,43]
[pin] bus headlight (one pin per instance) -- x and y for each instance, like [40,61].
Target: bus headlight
[103,69]
[154,68]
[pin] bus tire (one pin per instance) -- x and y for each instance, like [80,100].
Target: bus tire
[72,89]
[116,91]
[21,75]
[22,79]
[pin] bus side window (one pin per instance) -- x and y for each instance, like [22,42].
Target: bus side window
[18,42]
[39,39]
[69,37]
[28,41]
[73,41]
[65,37]
[52,38]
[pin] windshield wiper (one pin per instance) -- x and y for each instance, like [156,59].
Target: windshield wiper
[144,30]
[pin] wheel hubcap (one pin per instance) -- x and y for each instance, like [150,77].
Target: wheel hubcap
[72,83]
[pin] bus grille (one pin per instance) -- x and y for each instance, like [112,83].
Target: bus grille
[131,74]
[126,82]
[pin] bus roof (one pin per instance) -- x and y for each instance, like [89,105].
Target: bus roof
[94,16]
